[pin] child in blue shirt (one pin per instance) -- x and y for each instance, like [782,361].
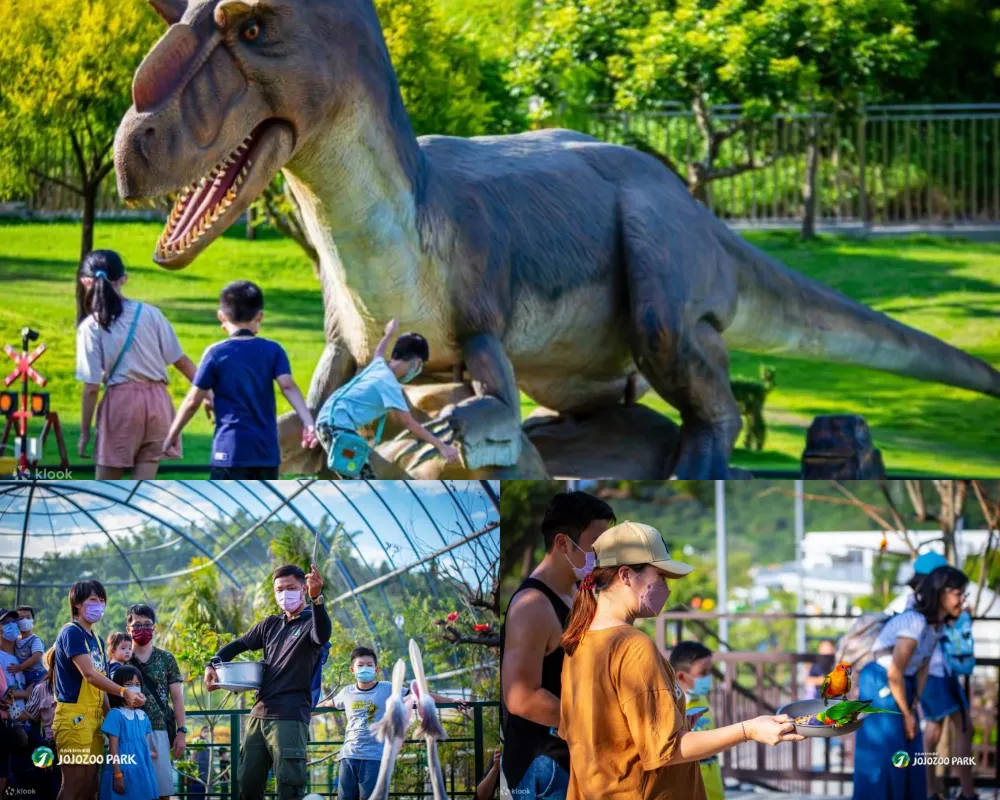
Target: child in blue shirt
[376,391]
[129,775]
[29,647]
[240,372]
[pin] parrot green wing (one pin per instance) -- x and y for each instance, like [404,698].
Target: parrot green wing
[825,687]
[846,709]
[849,710]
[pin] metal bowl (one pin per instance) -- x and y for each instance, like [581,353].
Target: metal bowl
[240,676]
[802,707]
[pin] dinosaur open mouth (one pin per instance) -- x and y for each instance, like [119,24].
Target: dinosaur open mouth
[208,206]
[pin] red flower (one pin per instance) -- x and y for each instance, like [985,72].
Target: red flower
[481,628]
[452,616]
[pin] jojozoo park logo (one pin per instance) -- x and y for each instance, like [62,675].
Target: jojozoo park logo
[42,757]
[901,759]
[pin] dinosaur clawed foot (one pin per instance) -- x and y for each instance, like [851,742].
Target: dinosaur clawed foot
[486,432]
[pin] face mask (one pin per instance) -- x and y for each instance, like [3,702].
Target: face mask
[289,600]
[365,674]
[92,612]
[653,598]
[412,372]
[142,637]
[25,624]
[10,631]
[132,688]
[588,564]
[702,686]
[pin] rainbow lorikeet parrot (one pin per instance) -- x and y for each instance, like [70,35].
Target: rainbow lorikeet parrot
[837,683]
[846,712]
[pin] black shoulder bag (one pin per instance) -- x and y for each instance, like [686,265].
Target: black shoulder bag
[168,718]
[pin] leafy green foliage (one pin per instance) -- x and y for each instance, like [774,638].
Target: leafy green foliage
[765,55]
[66,70]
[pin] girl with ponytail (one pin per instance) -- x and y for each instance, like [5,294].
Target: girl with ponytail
[622,710]
[126,346]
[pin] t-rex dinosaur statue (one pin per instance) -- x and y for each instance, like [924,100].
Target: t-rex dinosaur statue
[548,260]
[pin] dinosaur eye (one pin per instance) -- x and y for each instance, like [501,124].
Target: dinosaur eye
[251,31]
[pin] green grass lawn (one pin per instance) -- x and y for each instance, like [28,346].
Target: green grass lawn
[948,288]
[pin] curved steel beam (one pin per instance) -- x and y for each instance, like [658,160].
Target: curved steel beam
[395,519]
[437,527]
[364,519]
[56,485]
[468,519]
[111,539]
[336,559]
[24,539]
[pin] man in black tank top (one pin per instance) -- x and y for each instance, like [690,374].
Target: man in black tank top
[535,762]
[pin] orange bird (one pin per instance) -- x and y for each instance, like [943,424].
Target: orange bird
[837,683]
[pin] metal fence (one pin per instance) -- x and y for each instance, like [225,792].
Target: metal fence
[919,165]
[755,683]
[463,758]
[890,165]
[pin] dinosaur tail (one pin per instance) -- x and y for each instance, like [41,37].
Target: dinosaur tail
[780,311]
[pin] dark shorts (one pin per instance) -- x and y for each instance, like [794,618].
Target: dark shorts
[942,697]
[243,473]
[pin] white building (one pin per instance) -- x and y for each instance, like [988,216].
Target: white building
[837,568]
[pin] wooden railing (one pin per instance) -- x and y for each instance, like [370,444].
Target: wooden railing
[752,683]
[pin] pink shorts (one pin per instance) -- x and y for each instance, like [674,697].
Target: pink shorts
[133,419]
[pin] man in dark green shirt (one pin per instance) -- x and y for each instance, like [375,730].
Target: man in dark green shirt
[278,730]
[164,689]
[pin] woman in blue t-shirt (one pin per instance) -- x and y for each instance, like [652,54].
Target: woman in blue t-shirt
[81,683]
[886,744]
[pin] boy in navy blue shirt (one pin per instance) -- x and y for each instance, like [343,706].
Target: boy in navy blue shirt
[240,372]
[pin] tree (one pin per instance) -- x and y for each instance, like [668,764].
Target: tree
[782,55]
[767,57]
[66,70]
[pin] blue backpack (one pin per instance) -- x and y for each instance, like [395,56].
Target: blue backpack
[349,451]
[316,686]
[957,646]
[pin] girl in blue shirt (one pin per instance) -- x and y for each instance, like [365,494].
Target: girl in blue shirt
[129,775]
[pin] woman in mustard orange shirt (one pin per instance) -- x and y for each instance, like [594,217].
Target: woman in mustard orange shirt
[622,708]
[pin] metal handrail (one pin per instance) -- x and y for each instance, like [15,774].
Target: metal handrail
[232,791]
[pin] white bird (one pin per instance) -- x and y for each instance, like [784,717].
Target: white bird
[391,730]
[430,726]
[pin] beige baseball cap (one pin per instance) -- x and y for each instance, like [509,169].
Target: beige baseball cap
[635,543]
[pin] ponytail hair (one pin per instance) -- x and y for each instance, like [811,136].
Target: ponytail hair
[585,603]
[104,267]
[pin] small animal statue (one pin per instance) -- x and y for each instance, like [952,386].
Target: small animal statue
[391,730]
[750,397]
[430,726]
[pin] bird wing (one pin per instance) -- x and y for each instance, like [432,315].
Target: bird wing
[391,730]
[430,724]
[824,689]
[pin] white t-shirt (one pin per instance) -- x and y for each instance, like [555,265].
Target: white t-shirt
[908,625]
[364,708]
[13,681]
[153,349]
[938,667]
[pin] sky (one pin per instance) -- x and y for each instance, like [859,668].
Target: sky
[396,522]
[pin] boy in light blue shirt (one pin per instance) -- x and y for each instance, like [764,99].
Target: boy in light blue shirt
[377,391]
[364,702]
